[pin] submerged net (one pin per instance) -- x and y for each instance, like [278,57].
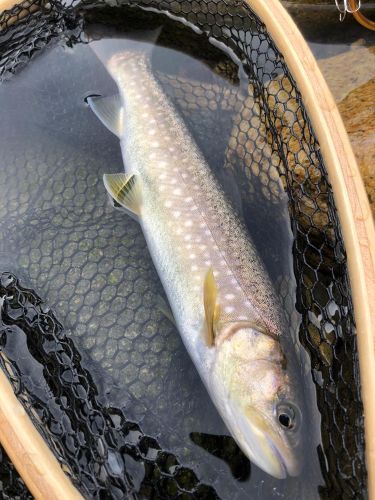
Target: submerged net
[271,152]
[95,444]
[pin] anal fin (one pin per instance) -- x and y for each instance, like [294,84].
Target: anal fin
[125,191]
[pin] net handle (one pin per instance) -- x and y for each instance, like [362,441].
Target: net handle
[7,4]
[29,453]
[349,192]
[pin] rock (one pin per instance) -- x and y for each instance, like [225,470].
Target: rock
[358,113]
[354,92]
[349,70]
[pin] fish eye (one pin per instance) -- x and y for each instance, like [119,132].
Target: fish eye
[287,416]
[286,420]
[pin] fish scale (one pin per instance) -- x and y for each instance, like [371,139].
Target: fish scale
[202,226]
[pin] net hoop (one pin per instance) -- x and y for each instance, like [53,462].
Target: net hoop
[352,204]
[34,461]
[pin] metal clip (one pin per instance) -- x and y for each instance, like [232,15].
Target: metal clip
[344,6]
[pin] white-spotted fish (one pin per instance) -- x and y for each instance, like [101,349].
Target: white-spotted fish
[223,302]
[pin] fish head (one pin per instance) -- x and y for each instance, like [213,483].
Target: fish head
[260,401]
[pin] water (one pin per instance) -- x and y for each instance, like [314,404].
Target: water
[61,237]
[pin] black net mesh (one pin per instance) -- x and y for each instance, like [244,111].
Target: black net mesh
[96,445]
[271,151]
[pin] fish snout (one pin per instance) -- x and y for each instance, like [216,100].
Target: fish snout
[261,442]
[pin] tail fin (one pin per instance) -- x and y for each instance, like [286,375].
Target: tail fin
[131,44]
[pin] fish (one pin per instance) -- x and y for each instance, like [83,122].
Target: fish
[223,302]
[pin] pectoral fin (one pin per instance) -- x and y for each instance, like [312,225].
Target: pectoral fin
[126,191]
[211,307]
[109,110]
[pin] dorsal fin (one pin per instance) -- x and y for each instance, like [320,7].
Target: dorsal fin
[211,307]
[126,191]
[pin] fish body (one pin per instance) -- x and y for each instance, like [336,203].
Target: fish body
[223,302]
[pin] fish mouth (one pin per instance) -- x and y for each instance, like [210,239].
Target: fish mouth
[281,470]
[263,446]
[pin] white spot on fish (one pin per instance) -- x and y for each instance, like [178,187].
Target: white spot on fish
[188,223]
[176,214]
[229,296]
[228,309]
[192,256]
[189,199]
[155,144]
[194,267]
[162,176]
[152,131]
[168,204]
